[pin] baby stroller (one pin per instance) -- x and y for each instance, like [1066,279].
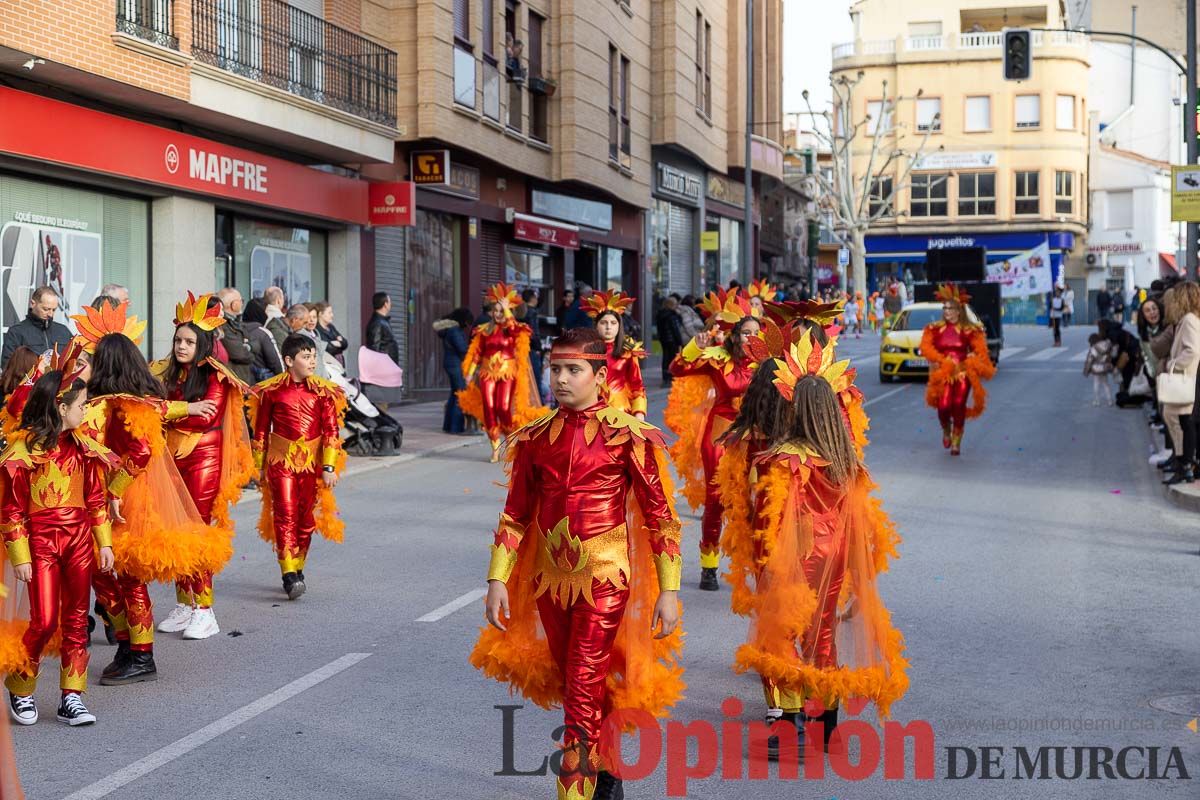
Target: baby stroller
[372,432]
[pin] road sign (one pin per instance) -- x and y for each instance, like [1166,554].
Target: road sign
[843,256]
[1185,194]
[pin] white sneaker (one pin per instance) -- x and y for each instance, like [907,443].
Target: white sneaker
[22,709]
[177,620]
[203,625]
[1160,457]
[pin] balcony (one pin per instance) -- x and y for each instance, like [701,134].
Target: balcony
[270,42]
[985,44]
[148,20]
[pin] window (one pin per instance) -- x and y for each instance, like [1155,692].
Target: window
[1028,201]
[977,194]
[703,65]
[1064,112]
[1029,111]
[1120,211]
[1064,192]
[978,114]
[464,58]
[462,21]
[489,32]
[620,142]
[929,194]
[626,131]
[539,106]
[881,195]
[513,71]
[929,114]
[880,122]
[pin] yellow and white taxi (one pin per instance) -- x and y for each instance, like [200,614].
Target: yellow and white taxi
[900,349]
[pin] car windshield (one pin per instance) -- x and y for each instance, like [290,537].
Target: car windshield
[916,319]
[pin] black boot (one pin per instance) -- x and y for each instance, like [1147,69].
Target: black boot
[110,633]
[708,579]
[797,722]
[293,585]
[1185,474]
[608,787]
[140,668]
[120,660]
[829,720]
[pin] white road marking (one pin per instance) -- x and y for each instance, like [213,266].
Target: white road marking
[453,605]
[897,390]
[1047,354]
[181,747]
[1079,356]
[1009,352]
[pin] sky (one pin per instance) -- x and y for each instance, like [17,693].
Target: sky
[810,29]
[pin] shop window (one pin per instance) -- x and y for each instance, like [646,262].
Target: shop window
[269,254]
[1028,200]
[1064,192]
[928,194]
[977,194]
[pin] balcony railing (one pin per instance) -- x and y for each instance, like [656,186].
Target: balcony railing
[979,41]
[273,43]
[149,20]
[975,42]
[924,43]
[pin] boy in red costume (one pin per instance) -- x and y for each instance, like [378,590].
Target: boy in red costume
[298,451]
[588,521]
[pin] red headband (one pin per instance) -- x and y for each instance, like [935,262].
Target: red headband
[559,355]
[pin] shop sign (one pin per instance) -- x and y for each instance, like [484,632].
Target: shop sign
[946,160]
[429,167]
[588,213]
[726,190]
[542,231]
[53,222]
[710,241]
[45,130]
[1117,248]
[392,204]
[677,183]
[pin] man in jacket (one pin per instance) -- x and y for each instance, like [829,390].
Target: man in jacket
[266,361]
[670,334]
[379,330]
[528,313]
[237,344]
[38,331]
[276,325]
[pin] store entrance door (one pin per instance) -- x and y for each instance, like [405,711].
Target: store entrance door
[433,253]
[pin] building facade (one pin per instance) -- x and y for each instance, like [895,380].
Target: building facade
[1004,164]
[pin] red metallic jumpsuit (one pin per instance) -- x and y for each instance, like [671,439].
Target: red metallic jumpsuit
[295,437]
[730,380]
[126,599]
[497,373]
[195,444]
[626,390]
[570,483]
[958,358]
[54,509]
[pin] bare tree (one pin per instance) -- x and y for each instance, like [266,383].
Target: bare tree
[858,201]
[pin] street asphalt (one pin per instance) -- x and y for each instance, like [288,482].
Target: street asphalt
[1046,592]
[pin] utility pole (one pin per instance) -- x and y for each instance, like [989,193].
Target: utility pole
[1193,230]
[748,228]
[1133,56]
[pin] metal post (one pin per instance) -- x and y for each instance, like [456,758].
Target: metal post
[748,227]
[1193,230]
[1133,56]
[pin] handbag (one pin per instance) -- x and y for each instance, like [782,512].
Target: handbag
[1176,388]
[1140,385]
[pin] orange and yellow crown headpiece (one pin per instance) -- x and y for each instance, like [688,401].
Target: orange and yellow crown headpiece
[617,302]
[824,314]
[94,325]
[507,296]
[72,361]
[805,357]
[725,308]
[952,293]
[761,288]
[196,311]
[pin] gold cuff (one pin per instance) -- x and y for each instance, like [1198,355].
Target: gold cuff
[638,406]
[176,409]
[329,456]
[503,563]
[259,458]
[102,533]
[18,551]
[670,571]
[691,351]
[119,482]
[710,560]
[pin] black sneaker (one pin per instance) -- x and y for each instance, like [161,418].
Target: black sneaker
[797,722]
[22,709]
[608,787]
[300,574]
[293,585]
[73,712]
[120,660]
[708,579]
[139,667]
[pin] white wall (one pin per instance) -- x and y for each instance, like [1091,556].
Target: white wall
[1155,128]
[181,259]
[1149,224]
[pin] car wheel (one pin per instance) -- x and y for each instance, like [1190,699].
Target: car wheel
[885,378]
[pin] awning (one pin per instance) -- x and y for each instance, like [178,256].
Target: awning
[529,228]
[1167,266]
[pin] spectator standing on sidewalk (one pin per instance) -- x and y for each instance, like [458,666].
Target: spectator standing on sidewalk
[692,323]
[265,360]
[454,330]
[38,331]
[1104,303]
[1068,306]
[237,344]
[1183,310]
[335,342]
[1118,306]
[273,299]
[528,313]
[670,334]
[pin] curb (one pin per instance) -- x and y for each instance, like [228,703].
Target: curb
[1187,498]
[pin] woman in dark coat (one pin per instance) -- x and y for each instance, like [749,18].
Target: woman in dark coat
[454,330]
[335,343]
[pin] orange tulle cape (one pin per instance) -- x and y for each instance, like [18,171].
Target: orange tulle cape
[688,405]
[977,367]
[769,586]
[10,784]
[527,403]
[163,537]
[237,460]
[645,673]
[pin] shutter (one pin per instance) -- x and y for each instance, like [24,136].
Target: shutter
[491,255]
[390,272]
[682,249]
[314,7]
[489,28]
[462,19]
[535,45]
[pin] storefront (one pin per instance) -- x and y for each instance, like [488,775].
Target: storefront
[724,216]
[88,198]
[673,229]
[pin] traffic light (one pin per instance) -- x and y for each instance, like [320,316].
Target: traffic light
[1018,58]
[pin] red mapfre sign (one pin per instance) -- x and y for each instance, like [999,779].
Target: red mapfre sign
[392,204]
[530,229]
[42,129]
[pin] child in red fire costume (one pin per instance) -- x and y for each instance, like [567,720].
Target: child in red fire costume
[298,452]
[207,437]
[626,390]
[958,364]
[158,534]
[806,543]
[501,389]
[588,539]
[712,373]
[54,510]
